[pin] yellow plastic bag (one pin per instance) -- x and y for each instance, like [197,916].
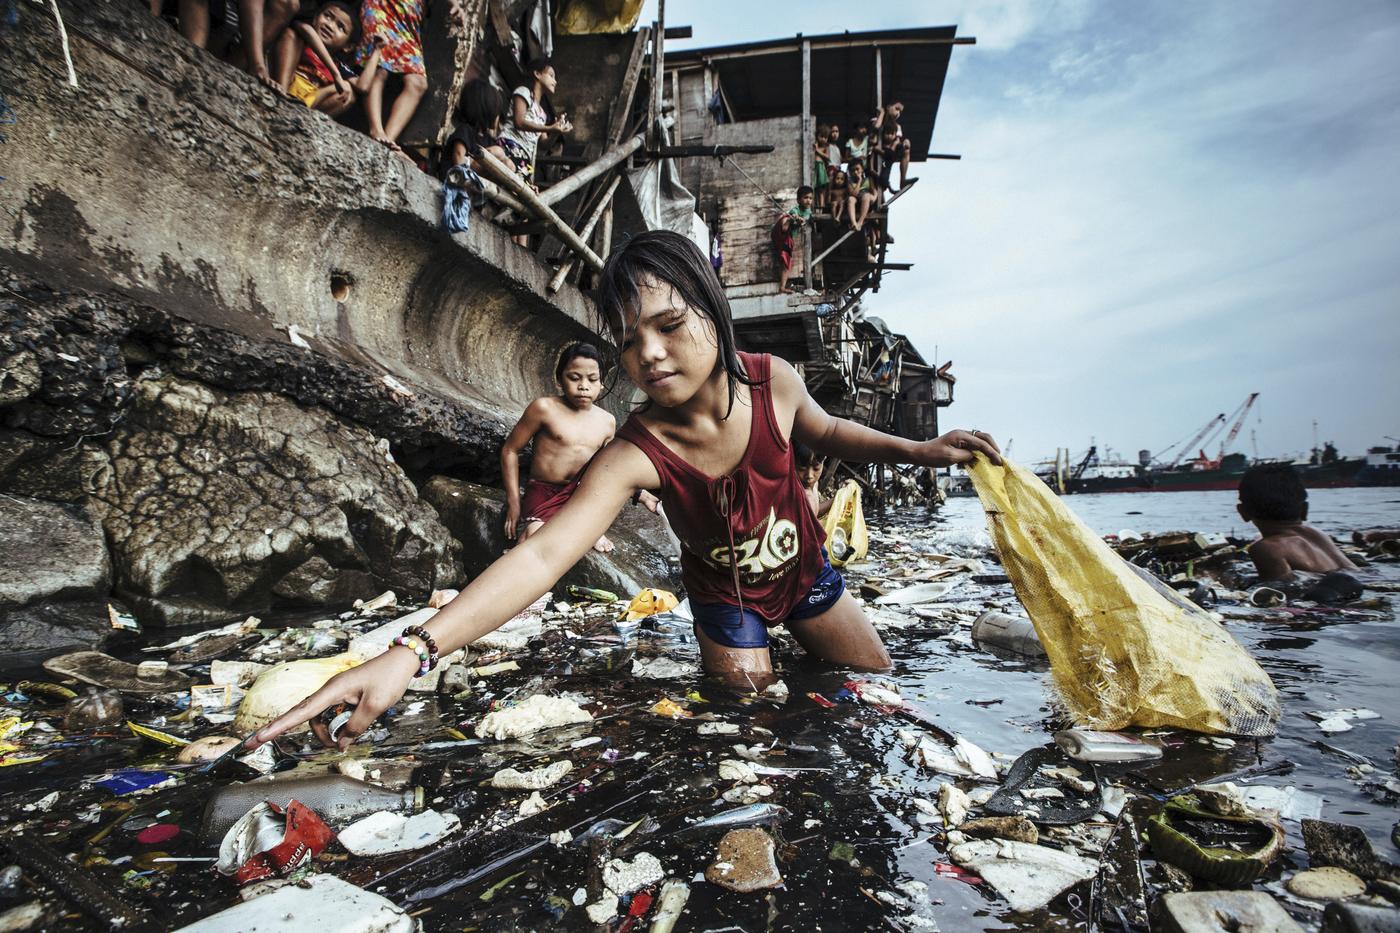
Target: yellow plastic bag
[649,602]
[846,540]
[1125,650]
[280,688]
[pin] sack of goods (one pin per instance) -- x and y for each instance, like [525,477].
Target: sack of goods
[1124,649]
[846,540]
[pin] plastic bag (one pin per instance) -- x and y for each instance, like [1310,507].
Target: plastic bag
[1124,649]
[592,17]
[846,540]
[649,602]
[284,686]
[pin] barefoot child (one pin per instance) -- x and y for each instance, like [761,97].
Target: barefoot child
[1273,497]
[712,439]
[310,59]
[781,234]
[568,430]
[393,31]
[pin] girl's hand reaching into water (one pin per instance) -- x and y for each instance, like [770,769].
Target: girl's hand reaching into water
[958,447]
[371,688]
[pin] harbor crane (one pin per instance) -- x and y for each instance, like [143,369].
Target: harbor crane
[1235,429]
[1209,427]
[1089,458]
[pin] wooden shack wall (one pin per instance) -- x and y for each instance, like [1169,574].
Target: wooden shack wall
[745,224]
[592,71]
[774,171]
[692,120]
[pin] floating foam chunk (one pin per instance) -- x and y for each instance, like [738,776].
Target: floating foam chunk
[530,716]
[1028,876]
[538,779]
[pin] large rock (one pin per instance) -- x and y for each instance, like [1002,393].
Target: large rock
[33,633]
[645,554]
[52,553]
[219,504]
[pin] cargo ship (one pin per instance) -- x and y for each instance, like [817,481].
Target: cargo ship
[1326,470]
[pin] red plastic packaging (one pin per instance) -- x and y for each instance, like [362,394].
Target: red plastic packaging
[307,837]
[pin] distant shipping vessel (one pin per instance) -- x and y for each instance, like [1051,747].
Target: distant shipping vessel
[1326,469]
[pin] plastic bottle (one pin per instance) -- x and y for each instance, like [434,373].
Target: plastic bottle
[92,709]
[1008,632]
[1088,745]
[336,798]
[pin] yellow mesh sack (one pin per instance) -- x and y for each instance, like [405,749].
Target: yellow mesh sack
[1125,649]
[846,538]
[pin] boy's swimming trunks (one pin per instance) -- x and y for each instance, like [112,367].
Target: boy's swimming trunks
[540,501]
[723,624]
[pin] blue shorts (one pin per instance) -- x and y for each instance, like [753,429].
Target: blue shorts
[723,624]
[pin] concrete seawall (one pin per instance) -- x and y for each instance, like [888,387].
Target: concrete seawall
[179,182]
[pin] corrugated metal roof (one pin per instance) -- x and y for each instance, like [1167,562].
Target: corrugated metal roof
[764,79]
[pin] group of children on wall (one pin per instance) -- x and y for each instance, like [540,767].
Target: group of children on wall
[853,177]
[332,54]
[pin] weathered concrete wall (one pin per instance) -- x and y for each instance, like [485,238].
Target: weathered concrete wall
[165,224]
[179,181]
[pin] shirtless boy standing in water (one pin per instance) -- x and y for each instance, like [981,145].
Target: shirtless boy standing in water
[568,430]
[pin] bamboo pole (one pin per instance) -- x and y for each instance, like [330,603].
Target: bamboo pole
[532,201]
[494,193]
[591,171]
[605,237]
[605,204]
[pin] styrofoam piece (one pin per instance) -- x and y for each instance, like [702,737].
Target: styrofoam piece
[386,832]
[1028,876]
[919,593]
[322,903]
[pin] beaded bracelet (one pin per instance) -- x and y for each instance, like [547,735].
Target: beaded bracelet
[422,634]
[418,648]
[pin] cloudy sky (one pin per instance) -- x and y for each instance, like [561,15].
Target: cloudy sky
[1160,208]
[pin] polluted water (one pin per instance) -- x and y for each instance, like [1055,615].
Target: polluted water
[950,793]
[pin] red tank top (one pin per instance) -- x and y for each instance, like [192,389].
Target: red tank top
[748,538]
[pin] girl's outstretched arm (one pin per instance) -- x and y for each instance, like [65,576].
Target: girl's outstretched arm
[496,596]
[846,440]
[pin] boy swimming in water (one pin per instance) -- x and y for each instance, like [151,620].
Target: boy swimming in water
[568,429]
[1273,497]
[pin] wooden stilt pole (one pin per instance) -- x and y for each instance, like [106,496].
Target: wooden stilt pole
[512,183]
[604,206]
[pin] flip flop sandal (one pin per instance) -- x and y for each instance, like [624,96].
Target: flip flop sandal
[1018,796]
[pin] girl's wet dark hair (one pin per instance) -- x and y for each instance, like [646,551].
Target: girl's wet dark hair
[673,260]
[576,351]
[537,65]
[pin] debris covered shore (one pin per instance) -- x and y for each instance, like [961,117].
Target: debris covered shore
[637,794]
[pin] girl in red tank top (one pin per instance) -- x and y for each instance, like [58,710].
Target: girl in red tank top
[713,441]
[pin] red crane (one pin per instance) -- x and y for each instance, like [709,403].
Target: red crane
[1211,425]
[1208,464]
[1235,429]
